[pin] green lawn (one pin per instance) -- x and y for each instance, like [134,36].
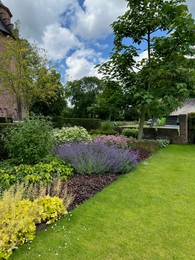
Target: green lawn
[147,214]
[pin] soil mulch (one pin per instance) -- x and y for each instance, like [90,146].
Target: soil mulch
[83,187]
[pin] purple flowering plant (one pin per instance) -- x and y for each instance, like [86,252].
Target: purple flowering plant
[97,157]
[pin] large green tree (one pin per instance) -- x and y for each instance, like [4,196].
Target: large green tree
[109,101]
[53,105]
[26,73]
[160,82]
[82,95]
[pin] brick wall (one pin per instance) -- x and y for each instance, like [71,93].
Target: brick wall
[8,104]
[165,133]
[183,121]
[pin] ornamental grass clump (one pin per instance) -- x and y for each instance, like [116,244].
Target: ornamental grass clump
[97,157]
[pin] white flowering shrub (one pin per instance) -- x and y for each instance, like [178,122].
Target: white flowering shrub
[69,134]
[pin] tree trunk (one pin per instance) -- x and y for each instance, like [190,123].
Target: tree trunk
[19,108]
[141,123]
[110,116]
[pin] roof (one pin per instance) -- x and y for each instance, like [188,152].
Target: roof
[3,28]
[6,8]
[187,107]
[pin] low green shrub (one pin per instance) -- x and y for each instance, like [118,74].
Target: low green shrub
[149,145]
[30,141]
[102,132]
[67,134]
[107,125]
[163,142]
[130,132]
[87,123]
[19,217]
[39,173]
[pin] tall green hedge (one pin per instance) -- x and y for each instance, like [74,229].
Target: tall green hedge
[87,123]
[191,127]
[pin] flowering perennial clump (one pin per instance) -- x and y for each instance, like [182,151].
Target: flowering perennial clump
[120,140]
[97,157]
[69,134]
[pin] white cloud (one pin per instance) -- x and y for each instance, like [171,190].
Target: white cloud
[142,55]
[81,63]
[36,15]
[94,20]
[191,6]
[82,28]
[59,41]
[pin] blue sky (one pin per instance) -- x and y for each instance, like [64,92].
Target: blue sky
[75,33]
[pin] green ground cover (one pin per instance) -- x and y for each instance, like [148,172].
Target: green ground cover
[146,214]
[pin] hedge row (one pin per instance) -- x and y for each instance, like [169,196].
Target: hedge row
[87,123]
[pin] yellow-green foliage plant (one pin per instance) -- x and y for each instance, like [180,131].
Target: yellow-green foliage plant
[19,216]
[48,209]
[39,173]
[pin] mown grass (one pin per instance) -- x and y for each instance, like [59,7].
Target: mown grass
[146,214]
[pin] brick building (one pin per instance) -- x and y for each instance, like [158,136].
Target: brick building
[9,107]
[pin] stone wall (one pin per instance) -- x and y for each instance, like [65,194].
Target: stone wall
[176,134]
[183,122]
[172,134]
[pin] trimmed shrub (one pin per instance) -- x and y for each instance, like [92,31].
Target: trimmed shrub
[97,157]
[30,141]
[149,145]
[103,132]
[87,123]
[67,134]
[130,132]
[107,125]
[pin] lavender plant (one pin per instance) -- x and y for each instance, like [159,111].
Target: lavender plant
[97,157]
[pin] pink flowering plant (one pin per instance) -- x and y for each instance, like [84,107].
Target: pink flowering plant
[120,141]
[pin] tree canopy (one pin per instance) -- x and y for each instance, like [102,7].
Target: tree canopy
[25,73]
[82,95]
[162,81]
